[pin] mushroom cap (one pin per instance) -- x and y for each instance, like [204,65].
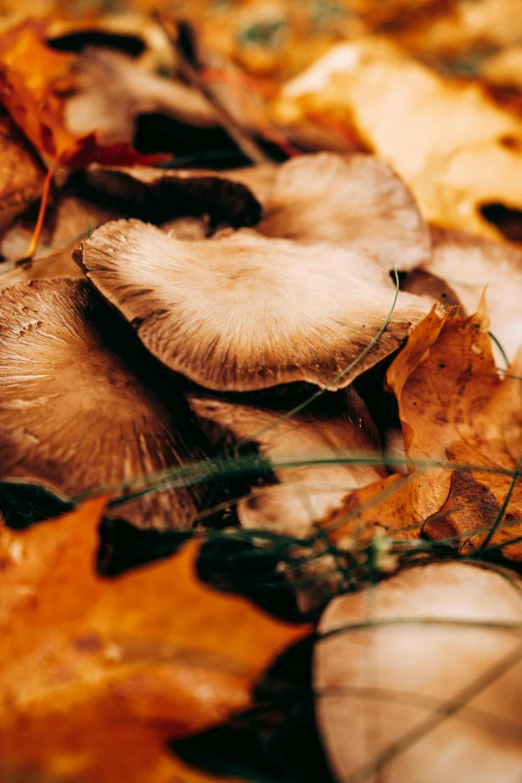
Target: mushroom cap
[160,195]
[303,494]
[75,414]
[113,90]
[21,173]
[348,199]
[378,684]
[246,312]
[469,264]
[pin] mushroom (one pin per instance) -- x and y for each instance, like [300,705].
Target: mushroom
[82,406]
[21,173]
[468,264]
[420,678]
[340,429]
[348,199]
[159,195]
[246,312]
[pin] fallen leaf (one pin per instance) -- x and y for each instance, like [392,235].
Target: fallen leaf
[469,264]
[150,655]
[453,407]
[423,673]
[451,144]
[35,81]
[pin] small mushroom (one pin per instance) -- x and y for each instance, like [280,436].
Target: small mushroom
[304,493]
[348,199]
[160,195]
[468,264]
[420,679]
[82,406]
[21,173]
[246,312]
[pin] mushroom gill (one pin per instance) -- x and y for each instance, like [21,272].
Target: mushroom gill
[246,312]
[83,406]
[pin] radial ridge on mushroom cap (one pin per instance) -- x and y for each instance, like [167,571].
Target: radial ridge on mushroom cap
[246,312]
[81,407]
[355,199]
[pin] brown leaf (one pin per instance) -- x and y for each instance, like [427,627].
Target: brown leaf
[151,654]
[447,141]
[453,407]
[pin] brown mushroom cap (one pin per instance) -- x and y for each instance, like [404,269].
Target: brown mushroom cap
[303,494]
[76,414]
[21,173]
[468,264]
[431,697]
[354,200]
[246,312]
[159,195]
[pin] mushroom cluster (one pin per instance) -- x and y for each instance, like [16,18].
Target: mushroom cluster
[206,331]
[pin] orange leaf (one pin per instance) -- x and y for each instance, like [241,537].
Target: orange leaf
[453,407]
[153,653]
[35,81]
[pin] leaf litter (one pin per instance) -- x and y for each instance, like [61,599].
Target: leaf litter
[205,533]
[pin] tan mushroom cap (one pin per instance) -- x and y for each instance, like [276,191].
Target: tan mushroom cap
[75,414]
[21,173]
[468,264]
[246,312]
[303,494]
[385,691]
[161,195]
[354,200]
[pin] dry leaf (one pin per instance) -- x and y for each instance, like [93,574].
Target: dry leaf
[153,653]
[453,406]
[35,81]
[456,150]
[413,681]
